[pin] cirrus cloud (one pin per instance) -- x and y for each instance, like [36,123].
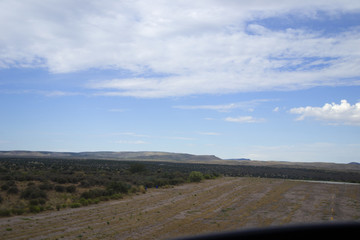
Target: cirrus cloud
[183,47]
[244,119]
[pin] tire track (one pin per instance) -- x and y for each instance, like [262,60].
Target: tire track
[212,205]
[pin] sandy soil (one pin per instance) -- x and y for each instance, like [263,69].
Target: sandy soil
[210,206]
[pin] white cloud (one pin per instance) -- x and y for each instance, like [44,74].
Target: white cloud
[245,105]
[58,93]
[343,113]
[244,119]
[276,109]
[197,47]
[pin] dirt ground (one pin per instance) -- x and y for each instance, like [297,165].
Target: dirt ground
[210,206]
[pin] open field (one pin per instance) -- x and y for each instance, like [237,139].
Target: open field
[209,206]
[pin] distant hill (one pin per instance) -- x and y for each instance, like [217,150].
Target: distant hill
[354,163]
[179,157]
[145,155]
[239,159]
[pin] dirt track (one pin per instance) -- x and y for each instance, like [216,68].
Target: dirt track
[213,205]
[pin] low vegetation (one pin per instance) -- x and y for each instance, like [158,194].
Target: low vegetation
[222,204]
[32,185]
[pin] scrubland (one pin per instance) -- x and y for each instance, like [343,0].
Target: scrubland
[222,204]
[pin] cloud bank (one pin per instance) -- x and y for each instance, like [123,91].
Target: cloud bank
[343,113]
[178,48]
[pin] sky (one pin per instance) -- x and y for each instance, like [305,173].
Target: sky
[265,80]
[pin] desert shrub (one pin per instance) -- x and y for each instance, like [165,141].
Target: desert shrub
[117,187]
[13,190]
[142,189]
[104,198]
[75,205]
[6,186]
[59,188]
[210,176]
[35,208]
[5,212]
[59,179]
[94,193]
[40,201]
[83,202]
[116,196]
[18,211]
[176,181]
[195,176]
[85,184]
[149,184]
[46,186]
[133,189]
[90,182]
[71,189]
[137,167]
[33,192]
[161,182]
[34,202]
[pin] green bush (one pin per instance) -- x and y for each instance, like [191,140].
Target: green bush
[46,186]
[40,201]
[34,202]
[195,176]
[116,196]
[33,192]
[5,212]
[117,187]
[71,189]
[84,202]
[94,193]
[75,205]
[35,208]
[13,190]
[59,188]
[18,211]
[137,168]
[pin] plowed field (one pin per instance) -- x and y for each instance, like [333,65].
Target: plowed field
[189,209]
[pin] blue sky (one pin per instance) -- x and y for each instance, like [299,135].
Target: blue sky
[277,81]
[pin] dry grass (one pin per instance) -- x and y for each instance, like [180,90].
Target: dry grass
[213,205]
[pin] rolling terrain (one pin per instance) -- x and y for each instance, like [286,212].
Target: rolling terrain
[144,155]
[178,157]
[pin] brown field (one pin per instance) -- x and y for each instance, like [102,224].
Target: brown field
[210,206]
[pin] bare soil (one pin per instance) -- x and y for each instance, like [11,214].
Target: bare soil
[210,206]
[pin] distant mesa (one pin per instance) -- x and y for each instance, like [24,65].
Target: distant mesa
[354,163]
[239,159]
[142,155]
